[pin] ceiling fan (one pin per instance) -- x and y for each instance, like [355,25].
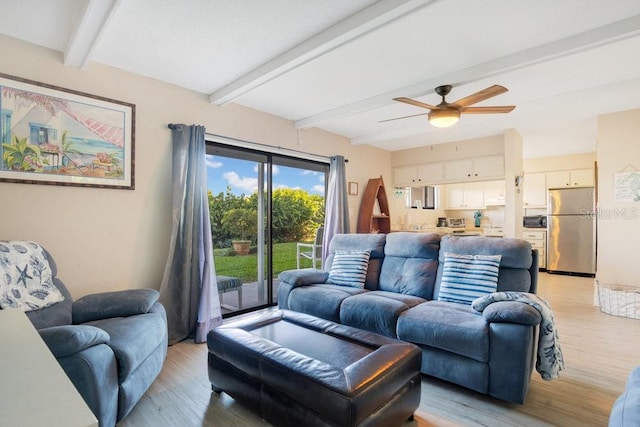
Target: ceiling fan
[446,114]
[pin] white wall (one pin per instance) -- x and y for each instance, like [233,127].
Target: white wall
[105,239]
[618,223]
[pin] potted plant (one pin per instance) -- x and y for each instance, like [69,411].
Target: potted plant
[240,223]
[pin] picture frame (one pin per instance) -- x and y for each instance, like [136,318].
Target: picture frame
[58,136]
[353,188]
[626,187]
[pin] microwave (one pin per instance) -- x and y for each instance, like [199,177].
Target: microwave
[534,221]
[455,222]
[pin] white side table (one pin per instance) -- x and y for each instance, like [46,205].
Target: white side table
[34,390]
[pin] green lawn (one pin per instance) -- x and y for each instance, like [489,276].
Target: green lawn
[245,267]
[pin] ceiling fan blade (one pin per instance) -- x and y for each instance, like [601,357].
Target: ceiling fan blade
[488,110]
[403,117]
[479,96]
[416,103]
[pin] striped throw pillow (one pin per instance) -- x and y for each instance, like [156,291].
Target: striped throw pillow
[349,268]
[467,277]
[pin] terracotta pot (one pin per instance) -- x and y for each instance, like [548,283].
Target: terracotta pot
[241,247]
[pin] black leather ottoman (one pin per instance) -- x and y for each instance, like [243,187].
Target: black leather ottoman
[297,370]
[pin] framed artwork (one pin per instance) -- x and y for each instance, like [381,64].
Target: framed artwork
[58,136]
[353,188]
[626,187]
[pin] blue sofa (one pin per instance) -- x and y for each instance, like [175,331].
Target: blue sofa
[490,352]
[626,409]
[111,345]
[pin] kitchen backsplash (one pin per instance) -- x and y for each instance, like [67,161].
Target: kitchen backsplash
[404,219]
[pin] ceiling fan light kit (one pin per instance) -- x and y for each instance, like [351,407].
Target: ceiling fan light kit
[444,118]
[446,114]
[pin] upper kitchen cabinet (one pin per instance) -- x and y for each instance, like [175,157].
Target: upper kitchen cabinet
[535,190]
[464,170]
[469,195]
[474,169]
[558,179]
[570,178]
[431,173]
[494,193]
[405,176]
[537,184]
[411,176]
[582,178]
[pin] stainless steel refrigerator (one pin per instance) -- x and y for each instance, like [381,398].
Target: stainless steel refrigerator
[571,230]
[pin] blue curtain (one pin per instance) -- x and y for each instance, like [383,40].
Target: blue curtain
[189,289]
[336,219]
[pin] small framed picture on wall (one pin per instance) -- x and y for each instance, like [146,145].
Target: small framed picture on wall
[353,188]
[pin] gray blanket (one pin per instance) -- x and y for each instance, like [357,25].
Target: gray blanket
[549,362]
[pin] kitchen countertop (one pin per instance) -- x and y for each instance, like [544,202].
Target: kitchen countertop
[468,231]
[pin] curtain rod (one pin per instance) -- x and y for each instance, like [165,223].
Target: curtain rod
[240,141]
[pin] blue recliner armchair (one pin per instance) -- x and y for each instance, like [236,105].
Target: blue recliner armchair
[111,345]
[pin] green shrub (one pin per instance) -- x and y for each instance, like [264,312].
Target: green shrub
[296,215]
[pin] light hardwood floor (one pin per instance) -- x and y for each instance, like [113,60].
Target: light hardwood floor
[599,351]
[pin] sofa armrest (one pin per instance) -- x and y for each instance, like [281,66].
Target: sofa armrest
[70,339]
[303,277]
[626,409]
[113,304]
[512,312]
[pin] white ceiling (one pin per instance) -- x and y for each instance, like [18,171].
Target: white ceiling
[337,64]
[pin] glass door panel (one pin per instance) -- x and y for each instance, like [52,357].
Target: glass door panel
[268,204]
[237,213]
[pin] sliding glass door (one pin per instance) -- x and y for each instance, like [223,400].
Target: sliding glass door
[262,205]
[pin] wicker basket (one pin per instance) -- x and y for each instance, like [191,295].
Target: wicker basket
[619,300]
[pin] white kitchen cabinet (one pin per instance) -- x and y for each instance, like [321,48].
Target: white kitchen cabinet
[474,195]
[474,169]
[489,166]
[405,176]
[494,193]
[536,184]
[454,196]
[430,173]
[582,178]
[469,195]
[535,190]
[538,240]
[464,170]
[414,176]
[458,169]
[570,178]
[558,179]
